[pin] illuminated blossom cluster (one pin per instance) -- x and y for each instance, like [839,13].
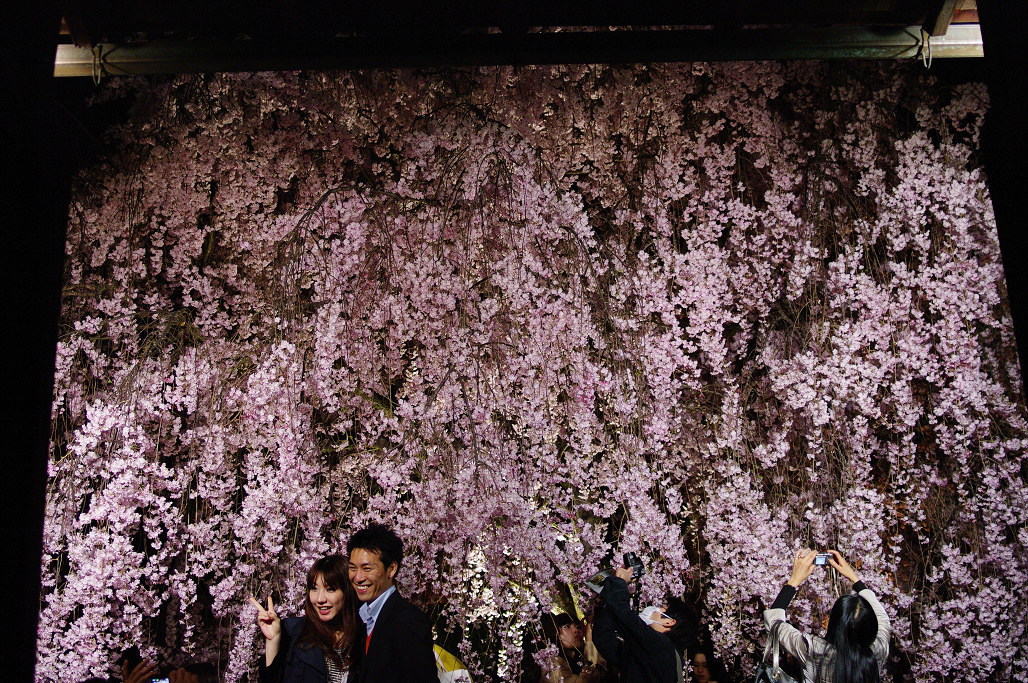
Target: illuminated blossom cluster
[534,318]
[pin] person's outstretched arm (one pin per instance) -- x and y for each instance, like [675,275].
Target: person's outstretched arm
[605,637]
[271,668]
[789,637]
[629,626]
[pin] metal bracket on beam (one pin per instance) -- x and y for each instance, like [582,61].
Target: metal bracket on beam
[167,57]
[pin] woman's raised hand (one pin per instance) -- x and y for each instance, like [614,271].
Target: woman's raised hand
[802,566]
[842,566]
[271,625]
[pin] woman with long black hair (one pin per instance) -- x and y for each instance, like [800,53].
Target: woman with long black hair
[319,646]
[857,642]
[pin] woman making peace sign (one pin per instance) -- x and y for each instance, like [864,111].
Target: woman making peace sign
[319,646]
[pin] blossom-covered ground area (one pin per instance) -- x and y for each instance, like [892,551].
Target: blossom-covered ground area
[534,318]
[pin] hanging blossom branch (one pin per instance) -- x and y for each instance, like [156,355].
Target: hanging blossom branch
[534,319]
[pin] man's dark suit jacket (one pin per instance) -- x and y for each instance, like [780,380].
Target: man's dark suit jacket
[401,646]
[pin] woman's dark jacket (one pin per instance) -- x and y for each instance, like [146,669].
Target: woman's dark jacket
[296,663]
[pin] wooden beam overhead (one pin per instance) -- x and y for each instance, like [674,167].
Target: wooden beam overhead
[163,57]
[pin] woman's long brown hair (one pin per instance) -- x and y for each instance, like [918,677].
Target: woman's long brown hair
[334,573]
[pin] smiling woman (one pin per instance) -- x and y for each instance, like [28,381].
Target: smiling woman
[317,647]
[326,600]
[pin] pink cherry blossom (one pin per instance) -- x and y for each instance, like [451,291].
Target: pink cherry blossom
[535,318]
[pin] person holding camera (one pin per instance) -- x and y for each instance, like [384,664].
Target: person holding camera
[646,649]
[857,642]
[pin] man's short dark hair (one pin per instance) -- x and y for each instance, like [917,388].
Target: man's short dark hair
[378,538]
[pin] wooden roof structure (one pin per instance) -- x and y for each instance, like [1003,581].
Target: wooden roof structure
[111,37]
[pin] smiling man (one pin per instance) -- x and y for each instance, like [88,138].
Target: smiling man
[398,646]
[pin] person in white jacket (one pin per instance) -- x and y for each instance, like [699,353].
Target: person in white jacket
[857,642]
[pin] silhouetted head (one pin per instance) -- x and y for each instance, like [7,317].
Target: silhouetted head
[853,621]
[705,666]
[852,627]
[684,633]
